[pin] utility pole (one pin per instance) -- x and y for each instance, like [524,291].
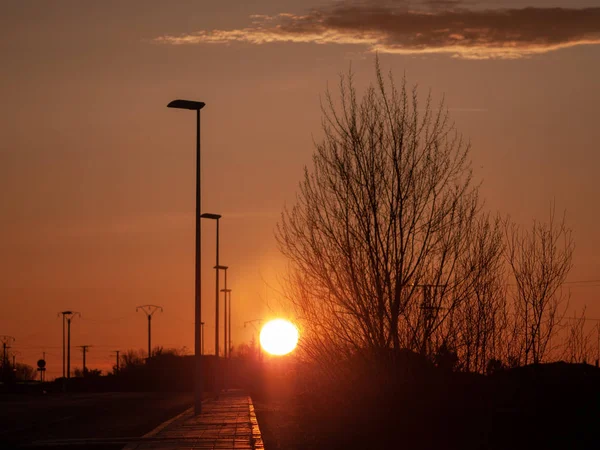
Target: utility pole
[428,309]
[117,366]
[149,310]
[6,341]
[67,316]
[84,350]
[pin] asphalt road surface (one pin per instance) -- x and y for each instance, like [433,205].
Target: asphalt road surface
[73,421]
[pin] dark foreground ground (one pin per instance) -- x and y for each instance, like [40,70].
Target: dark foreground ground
[550,406]
[27,420]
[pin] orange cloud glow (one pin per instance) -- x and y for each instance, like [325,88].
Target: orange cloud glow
[393,28]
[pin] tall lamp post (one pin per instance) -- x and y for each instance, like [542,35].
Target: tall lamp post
[196,106]
[229,325]
[68,315]
[224,269]
[202,332]
[216,218]
[227,319]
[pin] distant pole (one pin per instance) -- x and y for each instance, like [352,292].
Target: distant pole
[229,325]
[225,291]
[428,314]
[6,340]
[227,314]
[216,218]
[224,269]
[64,343]
[225,325]
[84,350]
[68,315]
[202,328]
[68,348]
[149,310]
[117,366]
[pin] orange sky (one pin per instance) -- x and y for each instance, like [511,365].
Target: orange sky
[97,175]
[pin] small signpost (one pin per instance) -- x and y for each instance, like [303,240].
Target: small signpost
[41,368]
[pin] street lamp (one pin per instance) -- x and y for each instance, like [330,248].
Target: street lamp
[196,106]
[227,319]
[202,349]
[224,269]
[229,328]
[216,218]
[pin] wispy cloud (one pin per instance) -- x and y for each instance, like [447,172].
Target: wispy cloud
[442,27]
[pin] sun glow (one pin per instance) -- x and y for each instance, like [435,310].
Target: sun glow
[279,337]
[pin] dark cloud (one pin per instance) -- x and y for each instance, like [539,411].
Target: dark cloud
[391,27]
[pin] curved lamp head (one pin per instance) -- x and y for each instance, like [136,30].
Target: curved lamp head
[211,216]
[186,104]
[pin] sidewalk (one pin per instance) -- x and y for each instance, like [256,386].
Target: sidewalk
[228,422]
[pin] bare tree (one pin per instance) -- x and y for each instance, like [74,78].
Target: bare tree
[578,344]
[477,327]
[24,372]
[380,236]
[540,260]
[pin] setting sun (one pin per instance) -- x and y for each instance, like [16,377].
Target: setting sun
[279,337]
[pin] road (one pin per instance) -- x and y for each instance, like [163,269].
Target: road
[98,421]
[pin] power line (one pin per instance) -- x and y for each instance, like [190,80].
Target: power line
[581,281]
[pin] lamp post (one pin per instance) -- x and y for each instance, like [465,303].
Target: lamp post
[196,106]
[216,218]
[202,332]
[229,327]
[68,315]
[224,269]
[227,324]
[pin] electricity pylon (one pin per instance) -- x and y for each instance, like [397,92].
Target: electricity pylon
[149,310]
